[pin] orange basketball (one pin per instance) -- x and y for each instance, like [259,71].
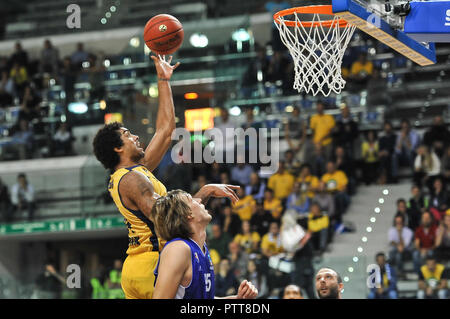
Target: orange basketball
[163,34]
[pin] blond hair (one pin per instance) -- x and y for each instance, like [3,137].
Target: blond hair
[170,215]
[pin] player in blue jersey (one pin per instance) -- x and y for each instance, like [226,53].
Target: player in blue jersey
[185,269]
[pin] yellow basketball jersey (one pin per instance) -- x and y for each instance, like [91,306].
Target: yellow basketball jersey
[141,231]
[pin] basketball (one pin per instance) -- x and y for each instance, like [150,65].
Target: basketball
[163,34]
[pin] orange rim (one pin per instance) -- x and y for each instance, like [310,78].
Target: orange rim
[326,9]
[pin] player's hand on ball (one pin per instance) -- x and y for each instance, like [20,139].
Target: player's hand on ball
[247,290]
[163,68]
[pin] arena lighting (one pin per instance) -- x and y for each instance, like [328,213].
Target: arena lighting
[78,107]
[199,40]
[134,42]
[106,63]
[373,219]
[112,9]
[240,35]
[191,96]
[145,121]
[346,279]
[364,239]
[377,210]
[102,104]
[350,269]
[369,229]
[153,91]
[355,259]
[108,14]
[289,109]
[103,21]
[381,200]
[235,110]
[385,192]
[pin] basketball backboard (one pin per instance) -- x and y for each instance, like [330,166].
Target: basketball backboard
[404,29]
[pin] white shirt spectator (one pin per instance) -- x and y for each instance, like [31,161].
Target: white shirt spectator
[407,236]
[435,168]
[18,194]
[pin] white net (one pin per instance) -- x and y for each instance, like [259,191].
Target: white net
[317,52]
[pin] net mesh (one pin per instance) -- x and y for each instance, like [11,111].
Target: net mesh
[317,52]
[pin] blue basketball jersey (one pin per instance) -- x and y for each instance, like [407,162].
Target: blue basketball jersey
[202,282]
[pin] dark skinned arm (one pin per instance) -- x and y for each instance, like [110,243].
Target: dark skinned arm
[137,192]
[165,119]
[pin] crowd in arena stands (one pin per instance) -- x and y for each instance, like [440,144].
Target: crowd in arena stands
[24,83]
[421,226]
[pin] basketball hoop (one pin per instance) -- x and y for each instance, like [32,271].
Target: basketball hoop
[317,47]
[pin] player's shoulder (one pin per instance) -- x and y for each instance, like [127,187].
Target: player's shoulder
[177,246]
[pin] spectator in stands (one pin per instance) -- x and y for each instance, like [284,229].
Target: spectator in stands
[49,283]
[344,162]
[271,242]
[79,56]
[228,139]
[29,108]
[214,172]
[439,200]
[6,90]
[19,77]
[309,183]
[225,281]
[49,59]
[336,184]
[443,238]
[113,281]
[370,149]
[256,72]
[386,283]
[424,240]
[219,241]
[417,205]
[247,239]
[427,167]
[62,141]
[298,201]
[361,70]
[20,56]
[402,210]
[322,125]
[257,278]
[278,68]
[256,187]
[230,222]
[281,183]
[96,77]
[291,163]
[22,196]
[261,219]
[437,136]
[432,280]
[245,206]
[238,260]
[318,224]
[318,160]
[445,166]
[23,140]
[5,202]
[241,173]
[295,125]
[401,241]
[407,143]
[68,76]
[325,200]
[272,204]
[292,292]
[387,155]
[346,131]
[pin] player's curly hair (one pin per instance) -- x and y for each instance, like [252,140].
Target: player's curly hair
[106,139]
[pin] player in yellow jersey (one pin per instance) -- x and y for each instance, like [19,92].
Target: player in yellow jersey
[135,189]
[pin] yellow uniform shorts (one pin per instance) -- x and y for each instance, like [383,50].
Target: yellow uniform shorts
[138,278]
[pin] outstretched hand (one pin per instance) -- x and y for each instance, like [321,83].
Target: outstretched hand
[247,290]
[163,68]
[223,190]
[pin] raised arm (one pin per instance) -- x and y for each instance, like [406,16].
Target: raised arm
[217,190]
[137,192]
[165,120]
[174,265]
